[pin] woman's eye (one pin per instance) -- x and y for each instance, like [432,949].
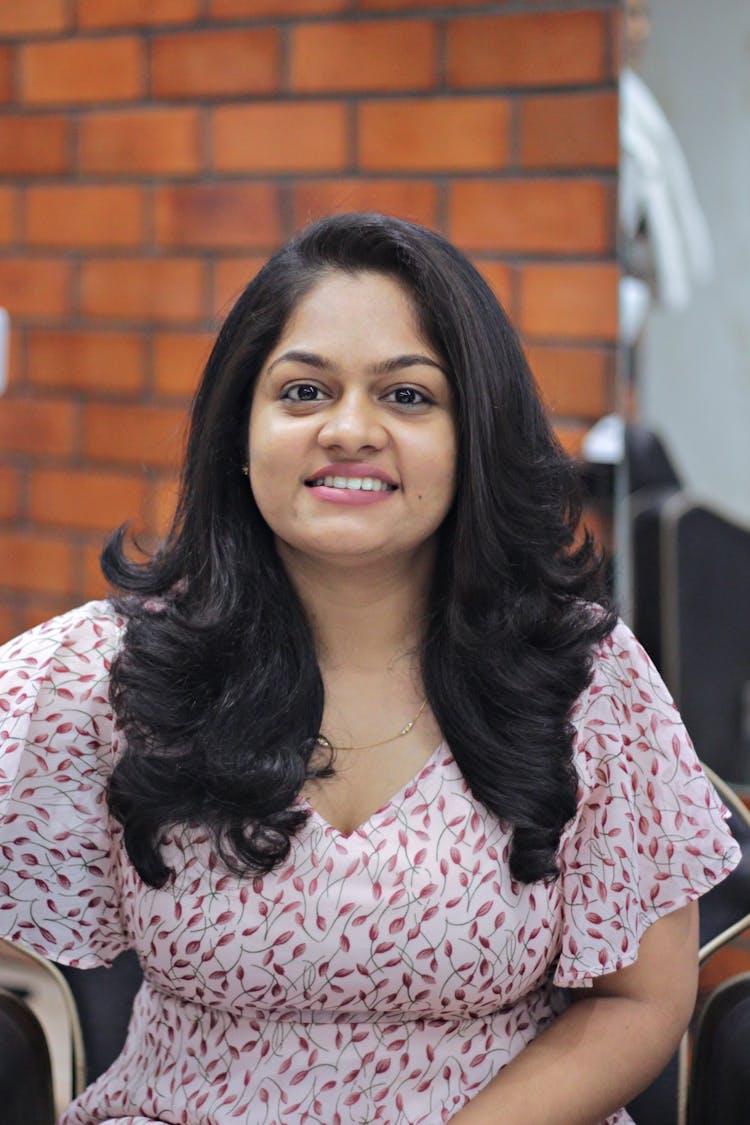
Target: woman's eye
[302,392]
[407,396]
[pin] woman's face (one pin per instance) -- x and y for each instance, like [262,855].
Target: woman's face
[352,442]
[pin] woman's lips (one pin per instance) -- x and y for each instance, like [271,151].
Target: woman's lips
[351,484]
[356,497]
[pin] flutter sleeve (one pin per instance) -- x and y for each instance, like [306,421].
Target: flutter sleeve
[59,884]
[649,834]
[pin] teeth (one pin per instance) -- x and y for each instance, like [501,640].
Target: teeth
[356,484]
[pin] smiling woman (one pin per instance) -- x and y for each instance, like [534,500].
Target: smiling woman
[356,762]
[353,409]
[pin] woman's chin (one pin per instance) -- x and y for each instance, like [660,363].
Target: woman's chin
[349,550]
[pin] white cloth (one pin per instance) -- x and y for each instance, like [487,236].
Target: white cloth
[656,190]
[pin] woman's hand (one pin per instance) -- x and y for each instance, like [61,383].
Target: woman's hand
[612,1041]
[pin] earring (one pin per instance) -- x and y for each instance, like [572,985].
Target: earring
[246,470]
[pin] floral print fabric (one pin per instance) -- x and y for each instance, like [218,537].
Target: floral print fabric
[384,976]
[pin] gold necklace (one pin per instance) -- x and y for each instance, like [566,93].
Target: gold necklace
[321,740]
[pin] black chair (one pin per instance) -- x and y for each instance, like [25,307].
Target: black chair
[720,1075]
[26,1094]
[705,607]
[652,480]
[23,1037]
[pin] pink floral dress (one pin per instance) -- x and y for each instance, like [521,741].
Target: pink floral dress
[384,976]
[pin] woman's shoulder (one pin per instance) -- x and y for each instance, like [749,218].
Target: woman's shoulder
[621,668]
[90,632]
[57,749]
[626,716]
[58,672]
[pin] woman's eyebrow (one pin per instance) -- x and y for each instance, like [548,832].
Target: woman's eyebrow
[385,367]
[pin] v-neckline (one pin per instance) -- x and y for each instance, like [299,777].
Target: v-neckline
[361,829]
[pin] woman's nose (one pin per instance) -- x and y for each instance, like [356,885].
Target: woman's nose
[353,423]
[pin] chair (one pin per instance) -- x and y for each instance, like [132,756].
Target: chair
[26,1073]
[652,480]
[720,1075]
[96,1004]
[705,607]
[27,1057]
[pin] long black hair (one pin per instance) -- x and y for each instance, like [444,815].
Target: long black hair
[217,687]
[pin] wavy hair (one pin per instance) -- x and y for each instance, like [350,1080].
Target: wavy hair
[217,687]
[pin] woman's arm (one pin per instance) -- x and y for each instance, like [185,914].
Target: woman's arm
[613,1040]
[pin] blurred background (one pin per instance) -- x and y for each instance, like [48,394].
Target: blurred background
[683,508]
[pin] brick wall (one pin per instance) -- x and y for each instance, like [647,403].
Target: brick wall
[153,152]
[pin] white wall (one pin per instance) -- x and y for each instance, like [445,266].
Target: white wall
[695,378]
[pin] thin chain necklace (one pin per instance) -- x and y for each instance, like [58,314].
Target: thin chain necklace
[323,741]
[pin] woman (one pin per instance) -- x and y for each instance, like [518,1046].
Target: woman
[353,762]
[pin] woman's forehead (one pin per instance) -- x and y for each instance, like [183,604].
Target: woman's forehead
[342,309]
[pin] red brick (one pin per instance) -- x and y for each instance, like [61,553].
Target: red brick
[8,211]
[577,382]
[570,216]
[399,5]
[231,275]
[100,363]
[216,63]
[33,145]
[282,137]
[145,142]
[163,502]
[500,279]
[218,215]
[571,437]
[436,134]
[569,131]
[94,584]
[35,286]
[82,70]
[16,367]
[247,9]
[415,200]
[557,48]
[179,359]
[135,13]
[10,625]
[90,216]
[85,501]
[169,289]
[5,74]
[31,17]
[382,55]
[134,435]
[577,301]
[40,427]
[33,609]
[35,563]
[10,483]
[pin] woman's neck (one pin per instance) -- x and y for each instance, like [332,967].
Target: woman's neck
[367,615]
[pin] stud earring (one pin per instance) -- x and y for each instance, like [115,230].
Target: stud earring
[246,470]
